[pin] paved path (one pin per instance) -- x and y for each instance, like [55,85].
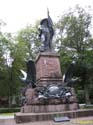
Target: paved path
[76,121]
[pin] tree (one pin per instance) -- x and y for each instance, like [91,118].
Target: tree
[74,31]
[19,49]
[24,47]
[29,37]
[74,38]
[5,44]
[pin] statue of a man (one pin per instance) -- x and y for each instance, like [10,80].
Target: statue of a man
[46,33]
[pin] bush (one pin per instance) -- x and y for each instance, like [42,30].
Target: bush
[9,110]
[81,96]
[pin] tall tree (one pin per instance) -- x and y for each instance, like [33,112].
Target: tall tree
[74,38]
[29,37]
[5,44]
[24,47]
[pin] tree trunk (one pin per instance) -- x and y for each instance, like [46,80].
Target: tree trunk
[87,99]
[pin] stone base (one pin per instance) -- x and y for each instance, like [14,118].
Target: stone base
[48,69]
[48,108]
[33,100]
[32,117]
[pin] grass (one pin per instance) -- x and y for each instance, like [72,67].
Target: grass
[6,114]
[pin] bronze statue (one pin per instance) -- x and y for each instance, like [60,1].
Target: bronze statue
[46,33]
[29,76]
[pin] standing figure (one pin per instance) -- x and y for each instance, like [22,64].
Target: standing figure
[46,33]
[31,73]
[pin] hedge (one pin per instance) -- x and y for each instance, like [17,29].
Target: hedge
[9,110]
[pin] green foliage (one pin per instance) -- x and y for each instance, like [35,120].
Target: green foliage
[9,110]
[73,38]
[65,60]
[25,48]
[28,41]
[81,96]
[4,69]
[73,31]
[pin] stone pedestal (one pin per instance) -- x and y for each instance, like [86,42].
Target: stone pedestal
[48,72]
[48,69]
[48,108]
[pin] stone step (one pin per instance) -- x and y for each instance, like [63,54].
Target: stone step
[32,117]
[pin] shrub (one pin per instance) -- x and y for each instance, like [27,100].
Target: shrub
[9,110]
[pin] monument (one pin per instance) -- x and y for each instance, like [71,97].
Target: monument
[46,93]
[46,33]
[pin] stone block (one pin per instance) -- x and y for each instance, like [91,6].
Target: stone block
[48,67]
[73,106]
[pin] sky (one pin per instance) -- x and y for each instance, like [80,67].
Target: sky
[19,13]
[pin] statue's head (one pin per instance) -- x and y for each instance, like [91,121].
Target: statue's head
[44,22]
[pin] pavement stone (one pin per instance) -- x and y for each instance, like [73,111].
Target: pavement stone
[75,121]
